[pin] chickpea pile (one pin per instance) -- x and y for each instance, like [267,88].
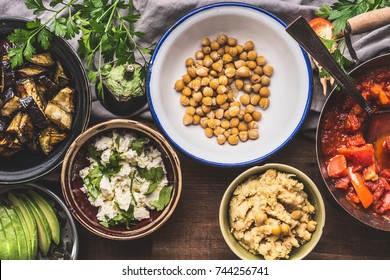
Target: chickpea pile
[211,88]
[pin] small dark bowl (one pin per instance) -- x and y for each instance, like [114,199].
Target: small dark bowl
[25,166]
[335,100]
[121,108]
[77,201]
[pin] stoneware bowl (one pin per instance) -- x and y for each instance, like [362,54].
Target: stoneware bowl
[77,201]
[25,166]
[310,188]
[68,248]
[290,84]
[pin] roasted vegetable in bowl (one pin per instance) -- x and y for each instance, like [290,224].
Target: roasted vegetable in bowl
[36,104]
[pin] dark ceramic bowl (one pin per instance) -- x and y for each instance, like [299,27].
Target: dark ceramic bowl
[77,201]
[26,167]
[121,108]
[335,100]
[68,247]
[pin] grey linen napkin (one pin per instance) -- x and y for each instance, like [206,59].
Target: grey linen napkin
[157,16]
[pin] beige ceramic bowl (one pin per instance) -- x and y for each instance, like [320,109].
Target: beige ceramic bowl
[314,197]
[77,201]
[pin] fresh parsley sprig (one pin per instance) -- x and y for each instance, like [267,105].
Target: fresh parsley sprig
[342,10]
[106,27]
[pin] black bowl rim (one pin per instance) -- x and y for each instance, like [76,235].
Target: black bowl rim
[319,156]
[47,168]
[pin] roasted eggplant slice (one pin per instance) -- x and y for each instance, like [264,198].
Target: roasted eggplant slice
[8,94]
[30,89]
[5,46]
[7,74]
[11,106]
[49,138]
[64,99]
[22,127]
[51,87]
[37,116]
[43,59]
[9,146]
[58,116]
[3,126]
[60,77]
[27,72]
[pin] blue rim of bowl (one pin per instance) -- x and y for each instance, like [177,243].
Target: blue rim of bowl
[202,160]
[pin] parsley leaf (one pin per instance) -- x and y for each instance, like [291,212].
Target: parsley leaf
[153,174]
[138,145]
[44,37]
[164,198]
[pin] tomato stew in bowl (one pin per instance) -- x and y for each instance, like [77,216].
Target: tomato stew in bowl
[357,172]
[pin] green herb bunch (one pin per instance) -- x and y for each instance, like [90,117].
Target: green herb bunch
[106,28]
[339,13]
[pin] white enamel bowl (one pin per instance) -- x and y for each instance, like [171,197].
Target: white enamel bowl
[290,85]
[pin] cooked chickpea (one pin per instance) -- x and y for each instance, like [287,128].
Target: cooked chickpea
[197,96]
[215,56]
[206,108]
[243,136]
[186,91]
[219,113]
[188,119]
[191,71]
[221,139]
[207,61]
[255,99]
[226,58]
[253,134]
[206,50]
[179,85]
[184,100]
[199,54]
[239,63]
[223,80]
[260,60]
[208,92]
[256,115]
[248,118]
[277,230]
[221,98]
[214,45]
[242,126]
[205,42]
[221,51]
[218,131]
[243,72]
[233,139]
[190,62]
[268,70]
[264,92]
[226,134]
[251,64]
[186,78]
[225,105]
[234,131]
[221,89]
[225,124]
[232,41]
[255,78]
[233,111]
[233,51]
[196,120]
[210,115]
[260,218]
[199,111]
[249,108]
[245,99]
[193,103]
[240,49]
[217,66]
[264,103]
[296,214]
[256,88]
[203,122]
[252,55]
[243,56]
[253,125]
[248,46]
[230,72]
[214,83]
[234,122]
[230,96]
[311,226]
[222,39]
[258,70]
[285,228]
[209,132]
[239,84]
[190,110]
[247,88]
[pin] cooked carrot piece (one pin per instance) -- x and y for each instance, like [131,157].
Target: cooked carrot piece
[361,189]
[337,166]
[363,155]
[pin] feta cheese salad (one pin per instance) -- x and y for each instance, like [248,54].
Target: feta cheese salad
[126,179]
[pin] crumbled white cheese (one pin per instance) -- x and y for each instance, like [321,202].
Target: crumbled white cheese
[141,213]
[103,143]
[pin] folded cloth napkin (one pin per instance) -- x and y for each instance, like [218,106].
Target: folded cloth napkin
[158,15]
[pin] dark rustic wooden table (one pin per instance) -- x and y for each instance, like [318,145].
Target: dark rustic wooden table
[193,231]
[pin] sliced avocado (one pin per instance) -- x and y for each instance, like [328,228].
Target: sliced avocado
[3,244]
[26,233]
[44,232]
[10,235]
[29,219]
[20,235]
[48,211]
